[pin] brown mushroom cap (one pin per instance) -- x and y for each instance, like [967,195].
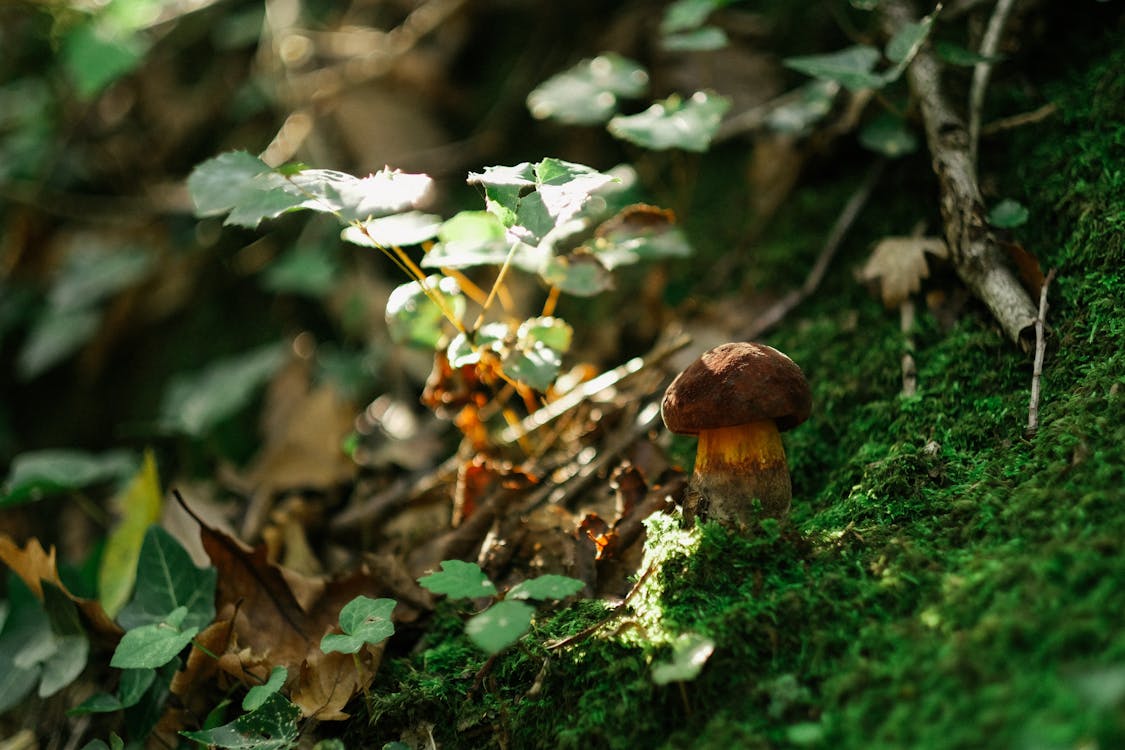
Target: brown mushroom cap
[734,384]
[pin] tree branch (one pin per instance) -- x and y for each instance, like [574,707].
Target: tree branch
[976,256]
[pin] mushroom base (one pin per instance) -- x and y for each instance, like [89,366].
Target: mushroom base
[733,467]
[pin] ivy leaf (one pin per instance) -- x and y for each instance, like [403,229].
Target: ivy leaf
[37,474]
[259,694]
[132,687]
[706,39]
[151,646]
[459,580]
[690,652]
[167,580]
[273,726]
[674,123]
[554,333]
[415,319]
[549,586]
[1008,214]
[588,92]
[363,620]
[685,15]
[499,626]
[814,100]
[537,366]
[906,42]
[852,68]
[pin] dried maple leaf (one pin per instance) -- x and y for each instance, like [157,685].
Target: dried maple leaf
[898,264]
[34,565]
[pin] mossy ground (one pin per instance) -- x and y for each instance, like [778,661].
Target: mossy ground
[944,582]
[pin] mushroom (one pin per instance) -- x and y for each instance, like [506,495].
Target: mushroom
[738,398]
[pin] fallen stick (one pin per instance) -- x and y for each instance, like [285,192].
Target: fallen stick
[977,258]
[1040,350]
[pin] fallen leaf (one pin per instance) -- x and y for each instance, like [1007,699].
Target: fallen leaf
[897,266]
[139,506]
[36,566]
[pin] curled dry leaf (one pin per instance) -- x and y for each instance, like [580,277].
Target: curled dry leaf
[898,264]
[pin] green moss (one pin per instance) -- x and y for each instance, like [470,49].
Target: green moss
[945,582]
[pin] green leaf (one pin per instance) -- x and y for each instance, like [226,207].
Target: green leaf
[554,333]
[548,586]
[499,626]
[588,92]
[685,15]
[134,683]
[93,274]
[37,474]
[906,42]
[272,727]
[852,68]
[416,320]
[397,230]
[459,580]
[363,621]
[955,54]
[95,56]
[197,402]
[477,238]
[259,694]
[1008,214]
[689,653]
[222,182]
[889,136]
[490,336]
[387,191]
[307,271]
[814,101]
[706,39]
[581,274]
[140,505]
[674,123]
[56,335]
[167,580]
[537,366]
[63,666]
[151,646]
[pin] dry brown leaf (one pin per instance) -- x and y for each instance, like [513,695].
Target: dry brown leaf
[279,618]
[897,266]
[34,566]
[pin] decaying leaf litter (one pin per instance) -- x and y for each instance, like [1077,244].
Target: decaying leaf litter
[523,510]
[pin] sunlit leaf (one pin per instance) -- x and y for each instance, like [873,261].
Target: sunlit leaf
[548,586]
[40,473]
[536,366]
[139,506]
[151,646]
[273,726]
[852,68]
[552,332]
[415,319]
[397,230]
[462,351]
[588,92]
[476,238]
[197,402]
[220,183]
[459,580]
[687,124]
[689,653]
[499,626]
[361,198]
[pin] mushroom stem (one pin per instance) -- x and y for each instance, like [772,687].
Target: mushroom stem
[735,465]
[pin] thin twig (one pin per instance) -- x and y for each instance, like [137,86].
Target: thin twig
[1040,349]
[1019,120]
[847,217]
[983,70]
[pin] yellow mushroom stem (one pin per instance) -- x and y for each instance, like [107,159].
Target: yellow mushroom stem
[735,465]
